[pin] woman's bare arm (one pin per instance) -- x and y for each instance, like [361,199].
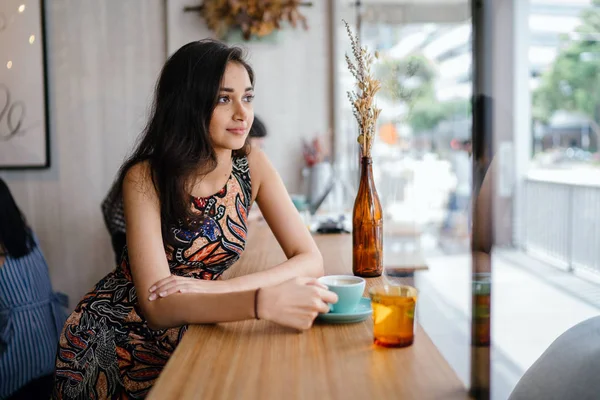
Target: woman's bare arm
[294,303]
[149,264]
[304,257]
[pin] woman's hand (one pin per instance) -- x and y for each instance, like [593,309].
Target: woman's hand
[294,303]
[180,284]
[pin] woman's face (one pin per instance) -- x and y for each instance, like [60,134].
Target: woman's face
[233,115]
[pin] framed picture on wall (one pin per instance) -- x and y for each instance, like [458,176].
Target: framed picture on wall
[24,136]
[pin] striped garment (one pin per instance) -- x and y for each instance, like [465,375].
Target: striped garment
[31,319]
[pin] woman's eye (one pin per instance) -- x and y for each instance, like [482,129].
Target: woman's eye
[249,98]
[223,99]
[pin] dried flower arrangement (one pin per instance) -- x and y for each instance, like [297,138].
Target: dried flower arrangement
[363,107]
[257,18]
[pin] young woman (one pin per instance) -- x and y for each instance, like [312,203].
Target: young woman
[187,190]
[31,314]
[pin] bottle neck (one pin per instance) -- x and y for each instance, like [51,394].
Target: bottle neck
[366,165]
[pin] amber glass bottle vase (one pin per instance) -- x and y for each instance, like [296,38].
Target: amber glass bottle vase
[367,226]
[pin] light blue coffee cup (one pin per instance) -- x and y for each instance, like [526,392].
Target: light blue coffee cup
[349,290]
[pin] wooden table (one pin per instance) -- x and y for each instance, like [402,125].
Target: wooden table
[261,360]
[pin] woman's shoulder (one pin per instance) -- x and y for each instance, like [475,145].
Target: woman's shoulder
[138,171]
[258,163]
[139,175]
[138,183]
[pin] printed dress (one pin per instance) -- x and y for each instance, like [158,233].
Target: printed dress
[106,349]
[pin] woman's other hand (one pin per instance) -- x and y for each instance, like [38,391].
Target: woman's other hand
[180,284]
[294,303]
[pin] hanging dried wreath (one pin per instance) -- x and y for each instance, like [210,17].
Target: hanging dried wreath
[254,17]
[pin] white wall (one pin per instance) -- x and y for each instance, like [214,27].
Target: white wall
[103,59]
[292,81]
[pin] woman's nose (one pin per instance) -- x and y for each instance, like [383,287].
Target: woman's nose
[240,113]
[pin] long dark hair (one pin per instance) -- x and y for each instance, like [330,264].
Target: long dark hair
[16,239]
[176,141]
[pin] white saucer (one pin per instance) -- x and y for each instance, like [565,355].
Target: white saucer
[362,311]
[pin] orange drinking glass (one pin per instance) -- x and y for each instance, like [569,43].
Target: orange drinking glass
[393,315]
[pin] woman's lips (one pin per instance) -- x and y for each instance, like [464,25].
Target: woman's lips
[237,131]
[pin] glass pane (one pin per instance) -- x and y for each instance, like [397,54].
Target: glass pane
[421,155]
[544,67]
[547,281]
